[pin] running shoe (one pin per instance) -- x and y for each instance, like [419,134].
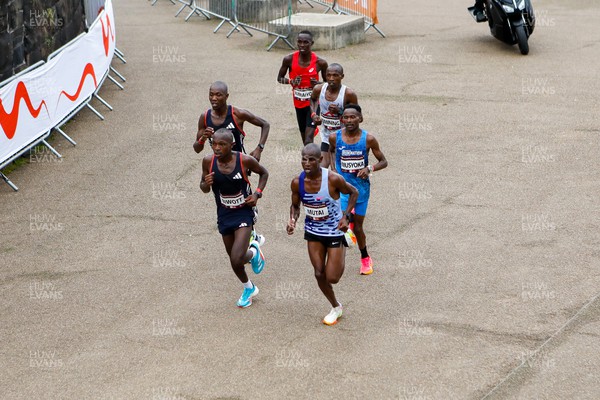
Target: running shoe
[350,238]
[258,261]
[258,237]
[334,314]
[366,267]
[245,299]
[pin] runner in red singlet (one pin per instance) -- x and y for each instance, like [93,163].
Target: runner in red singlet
[304,68]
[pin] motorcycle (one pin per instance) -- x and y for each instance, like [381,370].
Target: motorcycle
[510,21]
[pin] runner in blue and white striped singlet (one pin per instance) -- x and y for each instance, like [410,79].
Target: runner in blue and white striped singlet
[319,191]
[323,212]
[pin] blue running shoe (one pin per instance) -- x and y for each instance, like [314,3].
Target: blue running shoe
[245,299]
[258,261]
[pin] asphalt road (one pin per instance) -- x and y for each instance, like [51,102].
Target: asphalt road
[484,229]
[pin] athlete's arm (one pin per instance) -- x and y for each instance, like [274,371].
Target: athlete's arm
[245,115]
[322,66]
[373,144]
[344,187]
[283,70]
[332,146]
[263,175]
[314,103]
[202,134]
[295,207]
[350,97]
[207,179]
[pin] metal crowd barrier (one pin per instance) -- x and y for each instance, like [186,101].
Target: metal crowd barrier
[328,4]
[365,8]
[222,9]
[154,2]
[272,17]
[41,138]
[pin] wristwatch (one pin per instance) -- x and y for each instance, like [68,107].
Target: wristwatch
[262,146]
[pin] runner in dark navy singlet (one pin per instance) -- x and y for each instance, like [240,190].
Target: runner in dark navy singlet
[304,68]
[225,172]
[222,115]
[319,190]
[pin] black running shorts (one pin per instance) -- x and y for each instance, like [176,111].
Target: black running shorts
[327,241]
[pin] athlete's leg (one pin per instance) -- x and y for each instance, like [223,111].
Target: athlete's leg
[326,155]
[317,253]
[301,118]
[309,131]
[359,231]
[366,262]
[336,261]
[236,245]
[360,211]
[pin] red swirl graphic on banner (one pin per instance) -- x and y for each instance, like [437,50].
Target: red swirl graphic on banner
[106,32]
[88,70]
[9,120]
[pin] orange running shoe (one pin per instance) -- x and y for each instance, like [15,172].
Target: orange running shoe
[351,224]
[350,238]
[366,267]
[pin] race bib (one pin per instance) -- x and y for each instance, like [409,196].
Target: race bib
[302,93]
[352,165]
[234,201]
[316,213]
[331,123]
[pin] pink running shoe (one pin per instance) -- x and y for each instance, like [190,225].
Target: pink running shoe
[366,267]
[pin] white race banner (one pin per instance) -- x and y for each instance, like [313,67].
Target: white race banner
[34,103]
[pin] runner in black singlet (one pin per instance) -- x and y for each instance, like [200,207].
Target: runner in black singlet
[222,115]
[225,172]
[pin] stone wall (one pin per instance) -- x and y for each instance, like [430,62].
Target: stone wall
[30,30]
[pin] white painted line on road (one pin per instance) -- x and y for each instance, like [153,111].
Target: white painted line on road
[540,348]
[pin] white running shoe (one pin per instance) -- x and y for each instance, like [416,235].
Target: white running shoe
[258,237]
[334,314]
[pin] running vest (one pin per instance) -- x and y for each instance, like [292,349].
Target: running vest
[303,91]
[323,213]
[351,158]
[231,189]
[331,122]
[228,123]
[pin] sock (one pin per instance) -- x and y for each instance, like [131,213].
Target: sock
[363,253]
[248,285]
[253,250]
